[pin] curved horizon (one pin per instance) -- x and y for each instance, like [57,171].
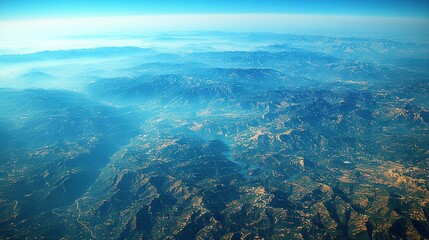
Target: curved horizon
[27,26]
[59,33]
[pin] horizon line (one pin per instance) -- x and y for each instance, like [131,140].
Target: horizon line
[370,16]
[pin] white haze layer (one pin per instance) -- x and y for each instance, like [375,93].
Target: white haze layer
[26,36]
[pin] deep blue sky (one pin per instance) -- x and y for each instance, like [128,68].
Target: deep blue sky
[28,9]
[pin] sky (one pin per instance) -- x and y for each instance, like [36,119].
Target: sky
[30,9]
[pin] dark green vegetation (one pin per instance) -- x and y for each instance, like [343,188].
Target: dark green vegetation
[297,137]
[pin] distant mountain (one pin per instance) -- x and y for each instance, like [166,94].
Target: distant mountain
[265,78]
[262,59]
[349,48]
[75,54]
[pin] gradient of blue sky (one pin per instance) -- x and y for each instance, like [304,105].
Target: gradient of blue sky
[28,9]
